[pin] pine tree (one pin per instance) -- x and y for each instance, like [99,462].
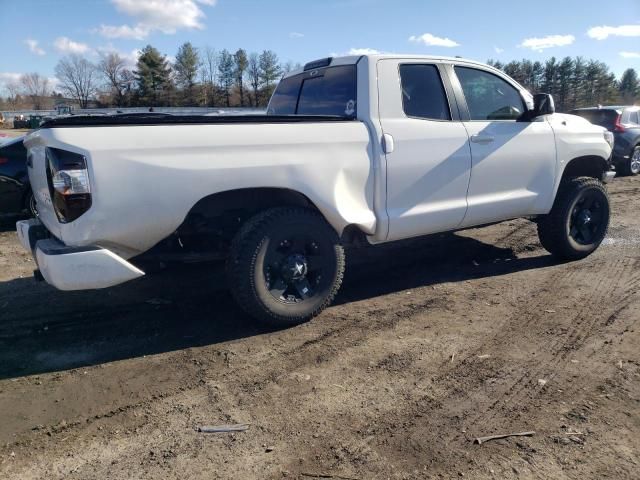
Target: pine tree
[577,82]
[253,72]
[269,72]
[629,86]
[186,70]
[153,76]
[565,78]
[550,77]
[227,76]
[241,65]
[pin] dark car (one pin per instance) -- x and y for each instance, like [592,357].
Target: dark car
[624,122]
[15,191]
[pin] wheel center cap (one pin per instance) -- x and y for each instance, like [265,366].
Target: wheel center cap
[585,217]
[295,267]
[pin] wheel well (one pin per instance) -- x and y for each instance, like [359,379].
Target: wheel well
[213,221]
[587,166]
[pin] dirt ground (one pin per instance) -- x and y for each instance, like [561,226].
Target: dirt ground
[432,343]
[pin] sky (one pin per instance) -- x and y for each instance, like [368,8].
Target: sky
[37,33]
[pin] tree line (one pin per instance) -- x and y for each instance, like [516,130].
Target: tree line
[197,77]
[574,82]
[211,78]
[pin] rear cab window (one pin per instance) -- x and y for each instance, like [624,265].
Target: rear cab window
[423,94]
[324,91]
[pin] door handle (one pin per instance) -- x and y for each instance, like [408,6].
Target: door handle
[482,139]
[388,145]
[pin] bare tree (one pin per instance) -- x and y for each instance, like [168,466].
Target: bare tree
[78,78]
[209,75]
[13,94]
[112,66]
[253,71]
[36,87]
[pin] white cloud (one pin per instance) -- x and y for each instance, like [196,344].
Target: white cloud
[33,46]
[9,77]
[166,16]
[130,58]
[540,43]
[54,83]
[296,35]
[433,41]
[604,31]
[357,51]
[498,50]
[630,54]
[363,51]
[138,32]
[66,45]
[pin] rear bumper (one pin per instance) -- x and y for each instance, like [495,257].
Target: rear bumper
[73,268]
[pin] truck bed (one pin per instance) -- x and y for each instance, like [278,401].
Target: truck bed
[169,119]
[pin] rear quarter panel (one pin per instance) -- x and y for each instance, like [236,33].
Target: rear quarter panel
[145,179]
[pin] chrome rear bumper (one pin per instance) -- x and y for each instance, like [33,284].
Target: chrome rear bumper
[73,268]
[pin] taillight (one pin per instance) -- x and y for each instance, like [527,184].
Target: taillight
[618,126]
[68,181]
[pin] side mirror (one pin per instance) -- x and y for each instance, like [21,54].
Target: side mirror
[543,104]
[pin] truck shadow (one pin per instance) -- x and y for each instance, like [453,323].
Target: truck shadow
[44,330]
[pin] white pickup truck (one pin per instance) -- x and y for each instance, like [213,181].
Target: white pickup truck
[372,149]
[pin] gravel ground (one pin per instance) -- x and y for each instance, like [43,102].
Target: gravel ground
[432,342]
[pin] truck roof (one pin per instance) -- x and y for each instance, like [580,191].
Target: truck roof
[353,59]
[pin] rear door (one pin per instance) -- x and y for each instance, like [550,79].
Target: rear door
[426,146]
[513,163]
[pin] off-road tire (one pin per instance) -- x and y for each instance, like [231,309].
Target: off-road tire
[554,229]
[246,265]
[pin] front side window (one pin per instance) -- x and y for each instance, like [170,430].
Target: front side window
[423,94]
[488,96]
[329,91]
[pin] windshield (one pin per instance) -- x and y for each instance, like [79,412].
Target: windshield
[327,91]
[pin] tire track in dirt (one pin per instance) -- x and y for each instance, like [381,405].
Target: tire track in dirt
[557,350]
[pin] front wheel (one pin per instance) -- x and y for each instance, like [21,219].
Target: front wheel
[285,266]
[578,221]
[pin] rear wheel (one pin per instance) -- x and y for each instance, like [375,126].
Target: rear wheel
[578,221]
[285,266]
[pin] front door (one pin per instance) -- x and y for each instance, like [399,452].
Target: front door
[514,163]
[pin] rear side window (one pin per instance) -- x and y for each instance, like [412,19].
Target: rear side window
[329,91]
[635,118]
[488,96]
[423,94]
[285,97]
